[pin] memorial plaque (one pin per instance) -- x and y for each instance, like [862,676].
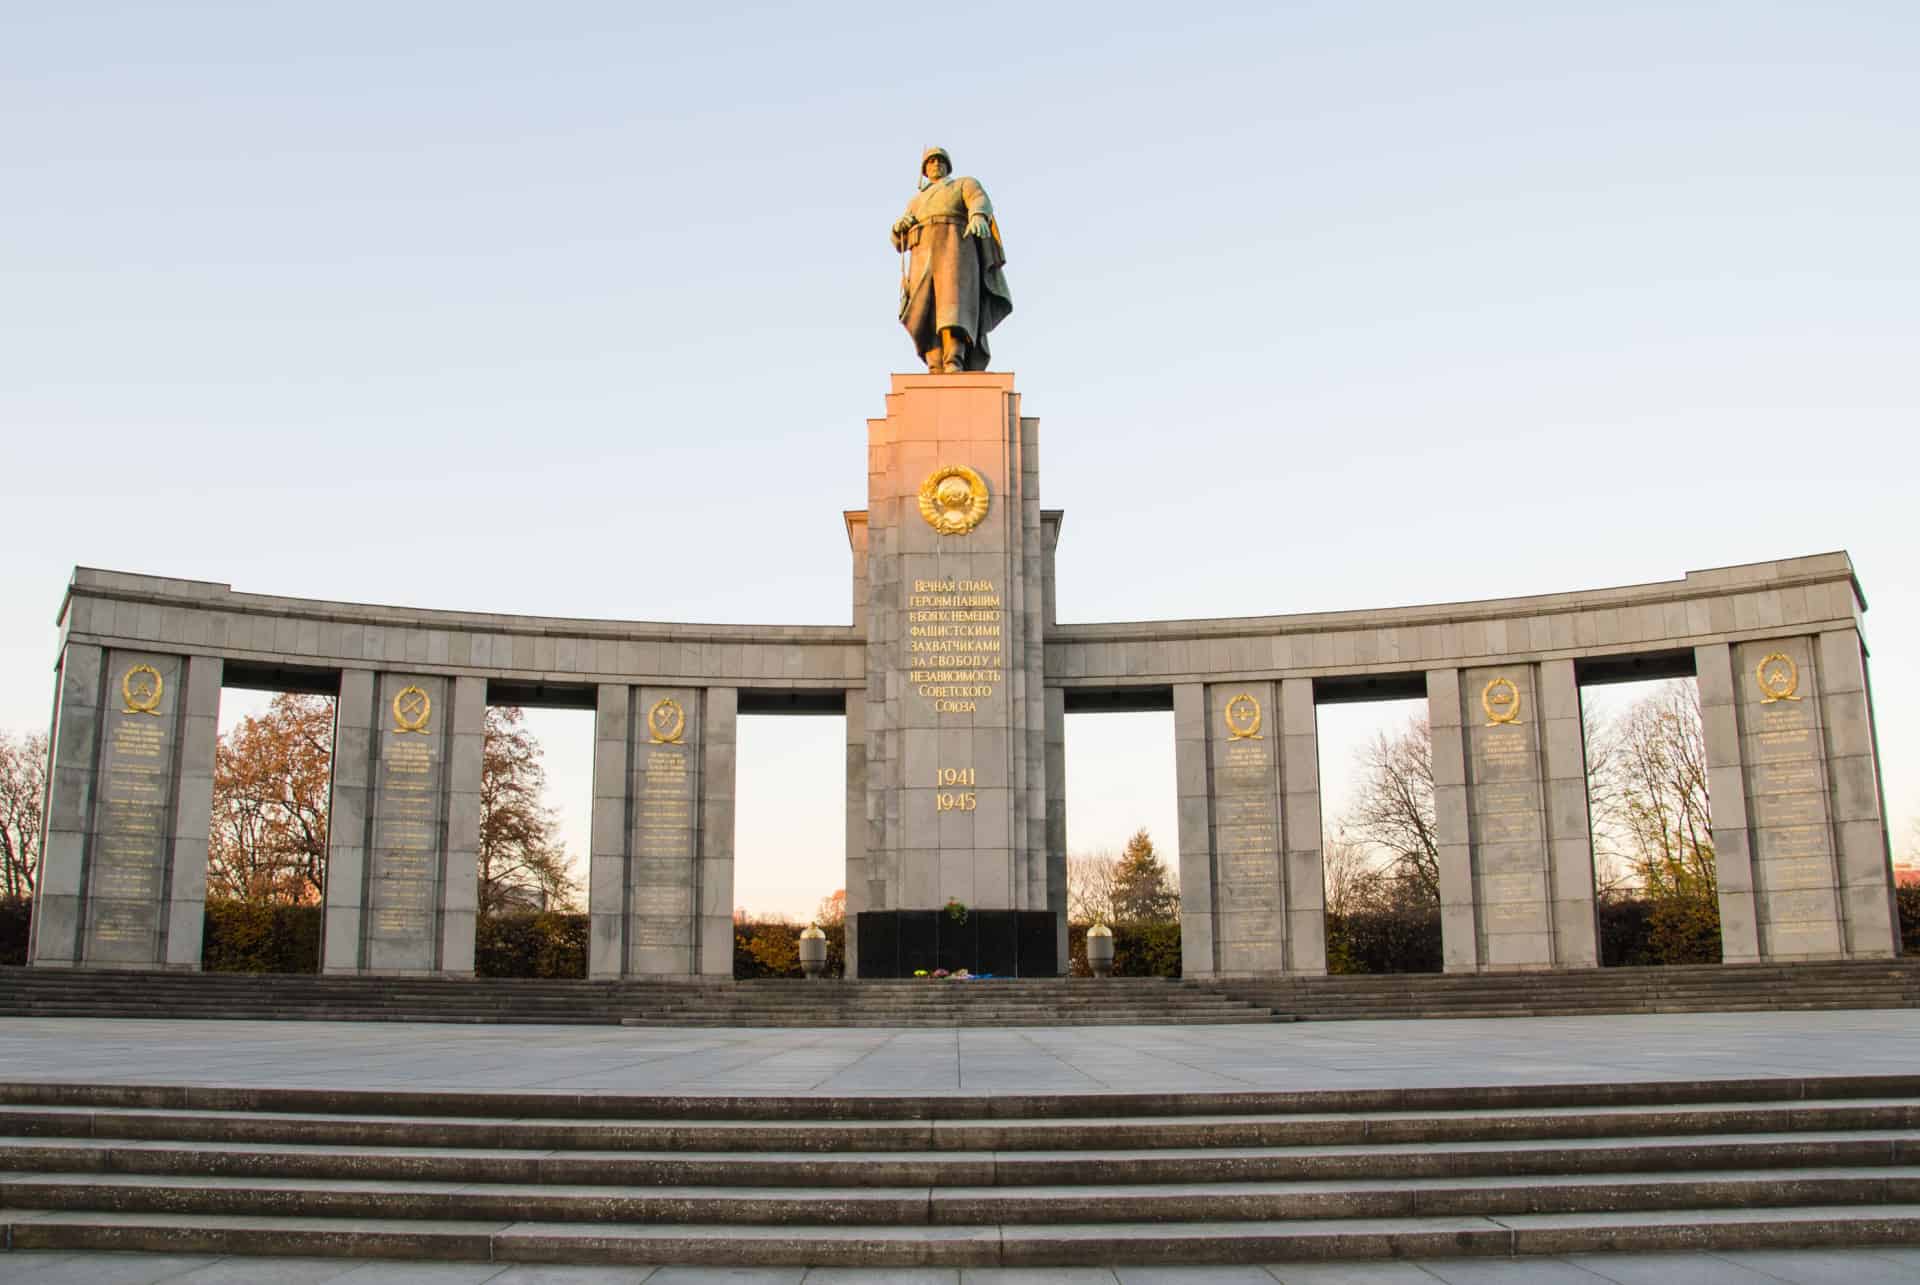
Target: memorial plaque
[665,793]
[128,870]
[1248,874]
[1794,873]
[409,824]
[1507,815]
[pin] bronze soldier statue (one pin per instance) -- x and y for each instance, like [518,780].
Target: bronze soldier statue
[952,292]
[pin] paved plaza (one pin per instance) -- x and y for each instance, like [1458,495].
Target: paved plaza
[1280,1057]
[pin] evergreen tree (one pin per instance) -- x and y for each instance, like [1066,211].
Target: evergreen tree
[1143,890]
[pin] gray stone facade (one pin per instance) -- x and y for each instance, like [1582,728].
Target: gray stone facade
[1798,818]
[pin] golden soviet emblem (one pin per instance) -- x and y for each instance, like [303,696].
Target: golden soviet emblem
[1779,678]
[411,710]
[953,499]
[1243,718]
[140,687]
[667,722]
[1501,700]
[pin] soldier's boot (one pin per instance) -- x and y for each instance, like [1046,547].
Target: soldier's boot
[935,362]
[953,351]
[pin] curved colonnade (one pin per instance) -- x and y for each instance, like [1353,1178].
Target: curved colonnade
[1798,817]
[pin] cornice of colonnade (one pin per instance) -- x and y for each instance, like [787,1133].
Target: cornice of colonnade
[1721,604]
[131,610]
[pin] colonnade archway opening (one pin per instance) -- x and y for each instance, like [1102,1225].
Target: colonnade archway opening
[267,829]
[1378,833]
[532,862]
[1123,841]
[791,813]
[1656,892]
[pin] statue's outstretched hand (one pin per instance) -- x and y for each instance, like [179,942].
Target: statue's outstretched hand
[977,225]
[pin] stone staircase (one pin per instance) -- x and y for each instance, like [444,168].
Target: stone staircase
[963,1180]
[1697,988]
[45,992]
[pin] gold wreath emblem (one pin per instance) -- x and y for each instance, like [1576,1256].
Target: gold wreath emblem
[1779,678]
[953,499]
[1243,718]
[667,722]
[140,687]
[411,710]
[1501,700]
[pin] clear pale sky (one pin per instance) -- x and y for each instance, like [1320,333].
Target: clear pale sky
[580,310]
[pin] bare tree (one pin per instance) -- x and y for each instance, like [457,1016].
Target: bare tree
[1647,788]
[1393,809]
[1353,875]
[23,787]
[522,862]
[1091,880]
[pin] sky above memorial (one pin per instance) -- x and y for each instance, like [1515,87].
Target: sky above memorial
[580,310]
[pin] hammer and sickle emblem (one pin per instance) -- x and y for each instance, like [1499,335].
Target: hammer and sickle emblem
[140,687]
[411,710]
[1501,700]
[1779,678]
[667,722]
[1243,718]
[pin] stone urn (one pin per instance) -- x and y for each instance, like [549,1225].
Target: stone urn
[813,951]
[1100,950]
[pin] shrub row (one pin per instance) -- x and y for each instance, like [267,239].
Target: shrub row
[245,938]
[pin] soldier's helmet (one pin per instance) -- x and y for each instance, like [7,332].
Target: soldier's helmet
[932,152]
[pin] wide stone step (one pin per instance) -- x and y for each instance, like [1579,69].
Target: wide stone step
[1861,1149]
[1072,1134]
[971,1246]
[962,1206]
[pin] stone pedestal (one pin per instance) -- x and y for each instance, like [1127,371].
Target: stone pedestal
[955,719]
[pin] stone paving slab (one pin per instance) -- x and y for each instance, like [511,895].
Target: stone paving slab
[1298,1056]
[1752,1267]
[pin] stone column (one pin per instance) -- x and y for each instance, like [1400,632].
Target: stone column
[715,872]
[1453,831]
[193,814]
[71,781]
[1192,787]
[1867,906]
[1056,819]
[607,857]
[460,882]
[856,812]
[349,821]
[1305,879]
[1575,918]
[124,870]
[664,785]
[1727,788]
[1802,766]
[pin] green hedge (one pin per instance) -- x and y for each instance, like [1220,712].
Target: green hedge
[244,938]
[771,948]
[16,920]
[531,944]
[1909,899]
[1139,950]
[1400,940]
